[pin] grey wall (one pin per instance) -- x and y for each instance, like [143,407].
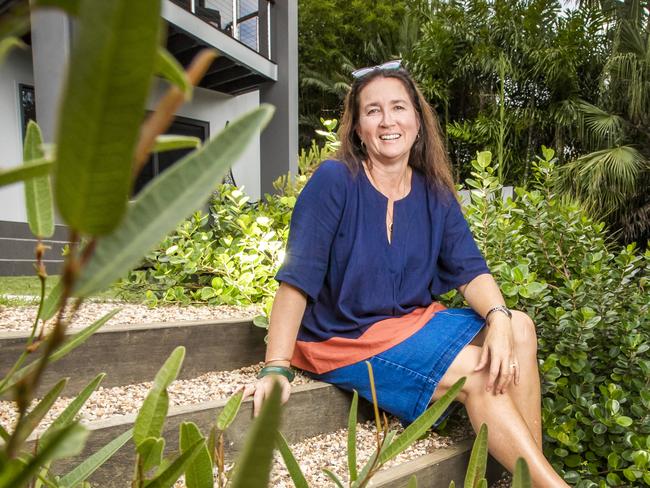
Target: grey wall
[279,141]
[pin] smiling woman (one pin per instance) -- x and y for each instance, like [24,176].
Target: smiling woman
[375,237]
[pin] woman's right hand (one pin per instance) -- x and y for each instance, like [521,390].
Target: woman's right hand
[261,390]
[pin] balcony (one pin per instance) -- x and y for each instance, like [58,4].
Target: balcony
[239,29]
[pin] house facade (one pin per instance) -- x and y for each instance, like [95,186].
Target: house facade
[257,41]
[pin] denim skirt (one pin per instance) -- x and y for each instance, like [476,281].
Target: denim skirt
[407,374]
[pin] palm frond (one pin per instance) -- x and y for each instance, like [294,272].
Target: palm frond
[598,126]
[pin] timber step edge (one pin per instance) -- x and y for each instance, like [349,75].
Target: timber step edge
[131,354]
[313,409]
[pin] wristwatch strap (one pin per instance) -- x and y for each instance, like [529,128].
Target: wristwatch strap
[498,308]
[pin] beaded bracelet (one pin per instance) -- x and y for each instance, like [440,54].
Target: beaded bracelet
[281,370]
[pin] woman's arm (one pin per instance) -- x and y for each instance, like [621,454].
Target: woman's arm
[482,294]
[286,314]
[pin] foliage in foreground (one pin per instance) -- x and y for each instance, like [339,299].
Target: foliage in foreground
[101,146]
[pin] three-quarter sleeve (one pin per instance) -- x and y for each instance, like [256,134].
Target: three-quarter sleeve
[460,260]
[314,224]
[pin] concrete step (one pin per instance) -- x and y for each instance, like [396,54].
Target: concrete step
[313,409]
[133,353]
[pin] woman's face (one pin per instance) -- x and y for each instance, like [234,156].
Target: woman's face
[388,122]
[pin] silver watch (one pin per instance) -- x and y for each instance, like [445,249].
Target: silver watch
[499,308]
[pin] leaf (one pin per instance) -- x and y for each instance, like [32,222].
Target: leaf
[68,6]
[65,442]
[151,452]
[198,473]
[77,340]
[4,435]
[170,475]
[169,68]
[33,169]
[290,462]
[230,410]
[9,43]
[51,303]
[624,421]
[254,464]
[413,482]
[166,200]
[167,142]
[67,416]
[521,476]
[38,192]
[452,484]
[91,463]
[151,416]
[337,481]
[482,483]
[422,423]
[478,459]
[352,437]
[103,106]
[30,421]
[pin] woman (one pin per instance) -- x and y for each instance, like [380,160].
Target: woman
[374,237]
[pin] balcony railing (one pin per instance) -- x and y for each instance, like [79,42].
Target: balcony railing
[248,21]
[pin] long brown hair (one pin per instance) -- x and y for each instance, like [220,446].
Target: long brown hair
[428,153]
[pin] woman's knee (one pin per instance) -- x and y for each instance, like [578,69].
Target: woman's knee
[524,331]
[463,366]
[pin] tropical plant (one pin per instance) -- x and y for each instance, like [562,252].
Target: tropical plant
[100,148]
[612,181]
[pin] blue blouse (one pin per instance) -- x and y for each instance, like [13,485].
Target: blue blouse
[339,255]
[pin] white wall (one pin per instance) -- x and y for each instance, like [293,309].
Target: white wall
[17,68]
[217,109]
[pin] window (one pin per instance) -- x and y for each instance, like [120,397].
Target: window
[159,162]
[27,106]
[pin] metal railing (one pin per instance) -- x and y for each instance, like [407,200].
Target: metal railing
[248,21]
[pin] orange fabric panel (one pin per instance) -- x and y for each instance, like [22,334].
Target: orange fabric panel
[321,357]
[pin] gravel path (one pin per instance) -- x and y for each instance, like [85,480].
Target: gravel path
[22,318]
[122,400]
[330,451]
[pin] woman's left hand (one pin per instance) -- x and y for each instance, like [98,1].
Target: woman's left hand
[498,351]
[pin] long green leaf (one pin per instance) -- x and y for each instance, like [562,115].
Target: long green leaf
[413,482]
[68,6]
[521,477]
[352,437]
[478,459]
[77,340]
[169,68]
[366,468]
[151,452]
[198,473]
[290,462]
[90,464]
[452,484]
[4,435]
[113,60]
[482,483]
[230,410]
[170,142]
[65,442]
[9,43]
[254,464]
[30,421]
[170,475]
[67,416]
[422,423]
[151,416]
[38,191]
[330,474]
[34,169]
[51,303]
[166,200]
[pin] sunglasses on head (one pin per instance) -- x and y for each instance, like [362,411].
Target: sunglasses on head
[390,65]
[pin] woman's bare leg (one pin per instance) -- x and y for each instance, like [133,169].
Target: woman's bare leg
[526,395]
[508,434]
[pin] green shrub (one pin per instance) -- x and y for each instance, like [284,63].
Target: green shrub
[591,305]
